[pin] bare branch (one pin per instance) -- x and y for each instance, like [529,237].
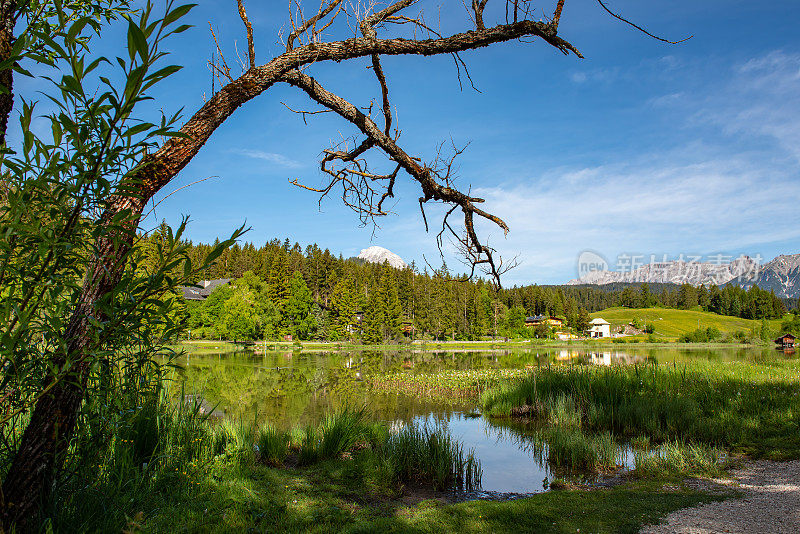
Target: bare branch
[377,18]
[557,14]
[477,8]
[304,113]
[219,71]
[159,168]
[626,21]
[324,10]
[435,180]
[251,49]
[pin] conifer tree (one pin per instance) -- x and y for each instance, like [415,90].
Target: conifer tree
[391,310]
[278,279]
[344,305]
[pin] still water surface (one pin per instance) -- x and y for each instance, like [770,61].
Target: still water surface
[292,388]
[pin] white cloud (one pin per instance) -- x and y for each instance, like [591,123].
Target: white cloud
[733,190]
[601,76]
[756,103]
[272,157]
[649,206]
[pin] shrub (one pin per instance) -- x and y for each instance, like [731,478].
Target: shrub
[701,335]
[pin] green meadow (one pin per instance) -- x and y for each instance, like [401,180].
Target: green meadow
[670,323]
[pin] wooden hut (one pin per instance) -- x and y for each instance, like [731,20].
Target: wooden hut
[786,341]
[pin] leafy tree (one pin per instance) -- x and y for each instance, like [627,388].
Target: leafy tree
[297,317]
[515,321]
[791,325]
[83,314]
[238,322]
[542,331]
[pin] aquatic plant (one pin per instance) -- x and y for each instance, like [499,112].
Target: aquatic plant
[341,431]
[430,455]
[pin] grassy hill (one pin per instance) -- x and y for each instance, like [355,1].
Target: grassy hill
[670,323]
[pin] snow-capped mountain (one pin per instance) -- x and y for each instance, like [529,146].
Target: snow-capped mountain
[375,254]
[782,274]
[675,272]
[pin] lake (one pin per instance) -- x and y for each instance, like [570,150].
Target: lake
[298,388]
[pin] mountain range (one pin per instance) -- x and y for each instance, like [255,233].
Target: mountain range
[781,275]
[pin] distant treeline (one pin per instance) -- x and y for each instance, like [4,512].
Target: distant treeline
[311,293]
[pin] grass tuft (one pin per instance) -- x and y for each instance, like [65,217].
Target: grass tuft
[272,445]
[425,455]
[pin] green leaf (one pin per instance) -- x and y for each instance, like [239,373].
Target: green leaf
[182,28]
[177,13]
[139,128]
[137,42]
[76,28]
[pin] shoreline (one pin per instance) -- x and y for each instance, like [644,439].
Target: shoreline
[436,346]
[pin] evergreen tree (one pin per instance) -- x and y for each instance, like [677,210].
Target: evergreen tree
[582,321]
[391,310]
[278,279]
[344,305]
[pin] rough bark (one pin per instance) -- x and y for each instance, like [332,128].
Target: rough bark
[163,165]
[8,12]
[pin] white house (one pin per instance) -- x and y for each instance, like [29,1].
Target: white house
[599,328]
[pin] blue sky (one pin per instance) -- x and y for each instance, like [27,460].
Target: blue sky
[641,148]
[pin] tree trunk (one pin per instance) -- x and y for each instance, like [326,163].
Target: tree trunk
[8,11]
[48,434]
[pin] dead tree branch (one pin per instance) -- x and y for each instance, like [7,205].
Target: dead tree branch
[251,48]
[435,180]
[626,21]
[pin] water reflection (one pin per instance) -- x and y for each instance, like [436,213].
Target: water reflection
[296,388]
[290,388]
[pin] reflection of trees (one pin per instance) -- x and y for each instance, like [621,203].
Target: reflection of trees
[295,388]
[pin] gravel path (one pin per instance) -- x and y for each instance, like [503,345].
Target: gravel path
[771,504]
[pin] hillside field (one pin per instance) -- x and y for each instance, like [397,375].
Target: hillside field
[670,323]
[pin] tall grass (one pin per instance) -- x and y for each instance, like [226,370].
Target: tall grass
[338,433]
[163,452]
[430,455]
[341,431]
[678,458]
[750,408]
[272,445]
[572,449]
[157,448]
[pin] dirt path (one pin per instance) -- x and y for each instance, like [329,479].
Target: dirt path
[771,504]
